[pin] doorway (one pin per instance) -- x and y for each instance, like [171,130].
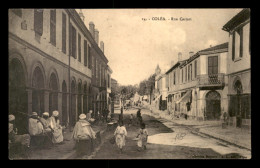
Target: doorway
[213,106]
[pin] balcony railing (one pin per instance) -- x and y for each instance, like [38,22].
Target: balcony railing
[211,80]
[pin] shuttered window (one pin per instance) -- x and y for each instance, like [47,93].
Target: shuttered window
[53,26]
[89,58]
[73,42]
[85,53]
[213,65]
[64,32]
[38,21]
[79,47]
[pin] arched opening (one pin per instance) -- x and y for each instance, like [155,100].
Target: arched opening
[18,95]
[73,103]
[64,104]
[213,110]
[53,96]
[38,91]
[79,98]
[85,99]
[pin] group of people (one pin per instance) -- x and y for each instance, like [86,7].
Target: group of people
[42,131]
[46,126]
[120,133]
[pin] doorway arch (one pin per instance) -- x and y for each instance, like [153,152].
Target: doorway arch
[53,96]
[38,93]
[18,95]
[213,105]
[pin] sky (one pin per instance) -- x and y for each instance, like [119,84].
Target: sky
[134,46]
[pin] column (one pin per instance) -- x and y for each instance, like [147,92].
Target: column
[76,104]
[60,105]
[82,102]
[29,93]
[68,107]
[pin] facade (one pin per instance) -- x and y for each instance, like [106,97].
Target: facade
[50,64]
[108,83]
[239,69]
[160,90]
[197,87]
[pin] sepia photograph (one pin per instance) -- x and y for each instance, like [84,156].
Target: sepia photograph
[129,83]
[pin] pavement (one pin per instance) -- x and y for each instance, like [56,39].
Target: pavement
[168,140]
[236,136]
[66,149]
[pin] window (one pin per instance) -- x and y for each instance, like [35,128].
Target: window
[93,66]
[73,42]
[89,58]
[53,26]
[85,53]
[186,69]
[64,30]
[174,78]
[195,68]
[237,44]
[213,65]
[79,47]
[38,21]
[18,12]
[182,75]
[190,71]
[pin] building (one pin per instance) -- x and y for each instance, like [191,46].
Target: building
[51,64]
[173,82]
[160,91]
[239,69]
[108,79]
[197,86]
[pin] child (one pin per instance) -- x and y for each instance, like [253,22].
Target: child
[142,137]
[120,135]
[131,119]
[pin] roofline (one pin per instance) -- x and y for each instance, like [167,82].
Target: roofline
[86,32]
[201,52]
[244,15]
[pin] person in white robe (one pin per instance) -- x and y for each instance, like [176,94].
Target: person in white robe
[84,135]
[120,134]
[56,127]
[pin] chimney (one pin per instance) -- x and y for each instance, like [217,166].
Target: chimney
[179,56]
[191,53]
[102,46]
[81,15]
[91,29]
[96,32]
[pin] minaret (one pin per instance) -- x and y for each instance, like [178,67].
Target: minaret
[157,70]
[81,15]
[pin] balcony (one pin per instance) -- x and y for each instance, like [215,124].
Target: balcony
[215,80]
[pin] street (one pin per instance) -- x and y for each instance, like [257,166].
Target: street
[168,140]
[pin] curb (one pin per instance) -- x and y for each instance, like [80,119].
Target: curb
[210,134]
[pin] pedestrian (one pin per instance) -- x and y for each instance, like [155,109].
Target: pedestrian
[36,130]
[120,134]
[131,119]
[57,136]
[35,126]
[84,135]
[17,141]
[89,116]
[142,137]
[45,120]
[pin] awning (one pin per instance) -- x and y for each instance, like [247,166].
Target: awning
[185,97]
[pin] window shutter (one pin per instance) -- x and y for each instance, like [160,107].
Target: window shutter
[233,45]
[38,21]
[241,42]
[64,32]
